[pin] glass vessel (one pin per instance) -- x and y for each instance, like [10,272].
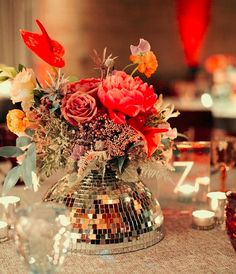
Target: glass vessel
[108,215]
[223,158]
[42,235]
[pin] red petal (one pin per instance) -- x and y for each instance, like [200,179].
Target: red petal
[42,45]
[153,140]
[117,118]
[150,135]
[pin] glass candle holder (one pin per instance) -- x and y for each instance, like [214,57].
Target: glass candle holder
[3,231]
[191,161]
[42,235]
[216,202]
[202,187]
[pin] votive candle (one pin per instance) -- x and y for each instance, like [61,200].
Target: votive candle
[6,201]
[10,203]
[185,192]
[203,219]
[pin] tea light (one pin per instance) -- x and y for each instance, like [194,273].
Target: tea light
[3,231]
[203,219]
[185,192]
[10,203]
[6,201]
[216,202]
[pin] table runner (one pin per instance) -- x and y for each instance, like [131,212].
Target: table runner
[183,250]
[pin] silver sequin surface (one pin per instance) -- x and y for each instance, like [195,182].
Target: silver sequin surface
[108,215]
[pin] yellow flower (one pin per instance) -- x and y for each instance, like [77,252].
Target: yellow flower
[17,121]
[22,89]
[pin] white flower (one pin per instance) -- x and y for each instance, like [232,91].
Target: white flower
[22,89]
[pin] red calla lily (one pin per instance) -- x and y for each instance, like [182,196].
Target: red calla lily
[42,45]
[150,135]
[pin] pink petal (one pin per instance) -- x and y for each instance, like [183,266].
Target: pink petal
[142,47]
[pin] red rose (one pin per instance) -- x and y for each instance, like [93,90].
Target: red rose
[89,85]
[78,108]
[124,96]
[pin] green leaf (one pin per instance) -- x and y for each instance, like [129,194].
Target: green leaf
[9,72]
[38,94]
[121,162]
[29,132]
[183,136]
[3,78]
[21,67]
[29,165]
[52,97]
[11,179]
[166,142]
[54,107]
[23,141]
[72,79]
[10,151]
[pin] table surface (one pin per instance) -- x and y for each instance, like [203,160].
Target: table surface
[221,108]
[183,250]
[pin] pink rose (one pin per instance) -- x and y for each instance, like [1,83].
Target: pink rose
[78,108]
[89,85]
[124,96]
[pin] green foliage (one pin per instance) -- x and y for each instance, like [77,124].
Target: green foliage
[28,166]
[29,132]
[21,67]
[11,179]
[166,142]
[121,162]
[23,141]
[7,73]
[38,94]
[10,151]
[72,79]
[25,170]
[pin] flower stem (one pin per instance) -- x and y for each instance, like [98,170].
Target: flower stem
[134,71]
[129,65]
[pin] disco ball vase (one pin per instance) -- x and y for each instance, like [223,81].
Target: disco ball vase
[108,215]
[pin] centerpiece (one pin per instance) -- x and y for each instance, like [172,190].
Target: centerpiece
[108,133]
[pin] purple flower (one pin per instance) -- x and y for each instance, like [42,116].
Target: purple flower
[77,152]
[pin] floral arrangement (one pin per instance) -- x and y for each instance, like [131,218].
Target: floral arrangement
[115,119]
[222,68]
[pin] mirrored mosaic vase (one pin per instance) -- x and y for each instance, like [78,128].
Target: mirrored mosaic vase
[109,215]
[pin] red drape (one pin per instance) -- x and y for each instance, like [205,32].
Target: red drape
[193,18]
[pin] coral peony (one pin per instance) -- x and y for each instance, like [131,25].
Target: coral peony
[124,96]
[89,85]
[17,121]
[78,107]
[22,89]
